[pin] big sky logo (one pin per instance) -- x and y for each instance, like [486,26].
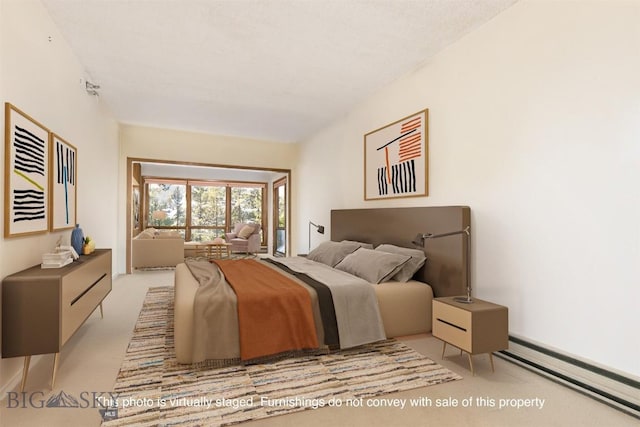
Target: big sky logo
[62,400]
[105,402]
[83,400]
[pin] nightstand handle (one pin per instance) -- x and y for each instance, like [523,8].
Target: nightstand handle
[451,324]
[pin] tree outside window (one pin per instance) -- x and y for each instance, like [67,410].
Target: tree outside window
[167,205]
[208,212]
[214,207]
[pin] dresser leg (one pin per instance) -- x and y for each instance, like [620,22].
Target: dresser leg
[444,346]
[25,371]
[471,364]
[55,369]
[101,313]
[491,360]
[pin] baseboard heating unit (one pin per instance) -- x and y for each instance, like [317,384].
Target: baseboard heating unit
[615,389]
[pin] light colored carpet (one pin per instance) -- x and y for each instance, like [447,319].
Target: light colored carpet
[92,358]
[157,390]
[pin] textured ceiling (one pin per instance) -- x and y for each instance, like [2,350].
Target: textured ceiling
[275,70]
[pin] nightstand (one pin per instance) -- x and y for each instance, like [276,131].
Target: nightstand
[480,327]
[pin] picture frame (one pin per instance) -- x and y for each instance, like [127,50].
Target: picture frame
[396,159]
[135,197]
[26,189]
[63,183]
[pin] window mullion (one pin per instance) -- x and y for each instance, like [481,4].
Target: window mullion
[187,231]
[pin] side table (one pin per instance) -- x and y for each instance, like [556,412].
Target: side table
[476,328]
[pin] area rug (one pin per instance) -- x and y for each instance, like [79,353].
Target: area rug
[152,389]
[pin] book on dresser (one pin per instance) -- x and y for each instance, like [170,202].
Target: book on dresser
[43,307]
[56,259]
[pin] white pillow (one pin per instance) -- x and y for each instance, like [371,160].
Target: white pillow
[146,234]
[246,231]
[169,234]
[407,271]
[372,266]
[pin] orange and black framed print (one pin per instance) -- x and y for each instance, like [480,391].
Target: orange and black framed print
[26,188]
[63,183]
[396,159]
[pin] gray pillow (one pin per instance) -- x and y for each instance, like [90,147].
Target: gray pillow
[360,244]
[409,269]
[372,266]
[331,253]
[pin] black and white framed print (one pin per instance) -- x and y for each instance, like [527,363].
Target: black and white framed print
[26,192]
[64,181]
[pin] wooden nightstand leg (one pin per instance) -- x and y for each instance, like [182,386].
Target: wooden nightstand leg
[471,364]
[491,359]
[101,313]
[25,371]
[444,346]
[55,369]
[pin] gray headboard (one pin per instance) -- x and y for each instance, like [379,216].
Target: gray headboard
[445,269]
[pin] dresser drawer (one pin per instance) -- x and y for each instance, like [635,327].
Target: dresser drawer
[73,315]
[78,281]
[452,325]
[82,290]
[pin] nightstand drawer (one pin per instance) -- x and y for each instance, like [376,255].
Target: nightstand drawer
[451,314]
[452,325]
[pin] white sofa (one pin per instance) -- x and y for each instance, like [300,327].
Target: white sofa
[153,248]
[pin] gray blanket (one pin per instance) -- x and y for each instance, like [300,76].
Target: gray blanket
[215,312]
[355,302]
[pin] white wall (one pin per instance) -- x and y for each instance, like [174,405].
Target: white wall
[181,146]
[534,123]
[42,78]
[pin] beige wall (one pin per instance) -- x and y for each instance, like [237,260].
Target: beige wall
[40,75]
[177,145]
[534,123]
[191,147]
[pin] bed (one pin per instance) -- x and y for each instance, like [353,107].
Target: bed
[404,308]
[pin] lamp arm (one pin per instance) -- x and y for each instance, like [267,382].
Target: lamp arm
[452,233]
[467,299]
[319,229]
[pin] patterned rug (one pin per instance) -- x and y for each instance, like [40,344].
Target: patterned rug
[152,389]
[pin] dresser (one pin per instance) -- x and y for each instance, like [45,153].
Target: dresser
[43,308]
[480,327]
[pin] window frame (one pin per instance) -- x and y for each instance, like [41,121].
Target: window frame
[228,226]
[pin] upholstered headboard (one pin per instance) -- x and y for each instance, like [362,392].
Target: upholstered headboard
[445,269]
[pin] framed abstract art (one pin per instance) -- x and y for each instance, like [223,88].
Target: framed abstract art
[26,190]
[63,183]
[396,159]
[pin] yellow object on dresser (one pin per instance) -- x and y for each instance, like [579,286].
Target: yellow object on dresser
[480,327]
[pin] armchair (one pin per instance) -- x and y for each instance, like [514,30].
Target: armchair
[245,237]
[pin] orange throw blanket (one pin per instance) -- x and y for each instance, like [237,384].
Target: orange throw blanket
[274,312]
